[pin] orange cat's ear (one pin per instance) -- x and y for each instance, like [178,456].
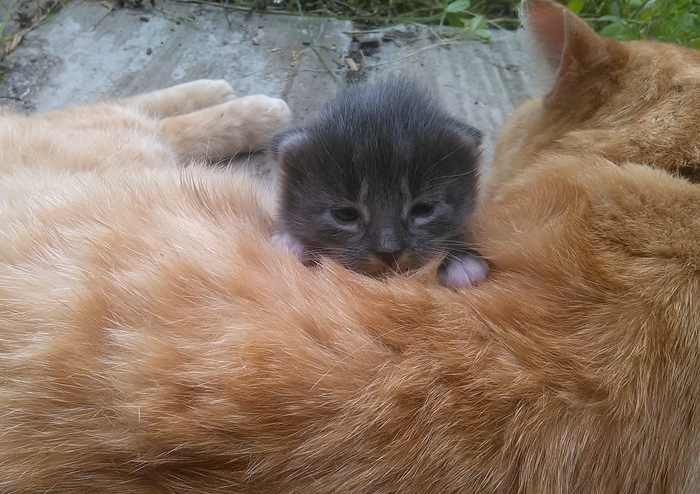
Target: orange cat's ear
[563,40]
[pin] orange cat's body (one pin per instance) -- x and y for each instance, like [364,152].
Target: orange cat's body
[151,340]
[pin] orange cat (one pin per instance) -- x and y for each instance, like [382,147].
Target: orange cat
[151,340]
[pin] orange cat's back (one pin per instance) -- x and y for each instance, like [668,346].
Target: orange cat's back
[104,136]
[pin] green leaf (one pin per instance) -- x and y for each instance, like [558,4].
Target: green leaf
[478,22]
[483,34]
[610,18]
[576,5]
[612,30]
[454,20]
[618,31]
[458,6]
[665,29]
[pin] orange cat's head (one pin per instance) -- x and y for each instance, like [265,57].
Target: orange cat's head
[637,101]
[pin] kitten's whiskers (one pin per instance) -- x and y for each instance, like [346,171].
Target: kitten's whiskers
[330,155]
[432,167]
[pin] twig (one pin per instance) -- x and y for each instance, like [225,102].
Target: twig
[6,18]
[425,48]
[230,25]
[362,32]
[17,38]
[338,80]
[364,60]
[110,8]
[240,8]
[176,18]
[437,35]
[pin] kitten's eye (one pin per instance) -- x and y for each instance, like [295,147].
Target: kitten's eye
[346,214]
[422,209]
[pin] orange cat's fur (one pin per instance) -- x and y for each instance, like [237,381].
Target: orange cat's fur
[151,339]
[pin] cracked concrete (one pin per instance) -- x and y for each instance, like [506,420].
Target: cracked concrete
[88,52]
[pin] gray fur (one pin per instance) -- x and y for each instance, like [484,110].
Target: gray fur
[389,154]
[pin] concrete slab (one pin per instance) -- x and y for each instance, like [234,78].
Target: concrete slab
[88,52]
[480,82]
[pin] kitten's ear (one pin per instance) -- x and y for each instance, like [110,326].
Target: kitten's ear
[562,40]
[471,135]
[287,142]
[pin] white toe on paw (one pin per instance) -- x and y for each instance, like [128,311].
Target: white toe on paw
[271,114]
[281,113]
[461,271]
[281,239]
[275,113]
[218,91]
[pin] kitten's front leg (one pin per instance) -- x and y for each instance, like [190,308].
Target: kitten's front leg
[462,267]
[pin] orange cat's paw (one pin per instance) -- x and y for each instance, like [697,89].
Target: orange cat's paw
[240,125]
[183,98]
[262,115]
[207,92]
[270,112]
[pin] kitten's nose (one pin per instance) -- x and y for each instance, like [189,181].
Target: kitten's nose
[388,258]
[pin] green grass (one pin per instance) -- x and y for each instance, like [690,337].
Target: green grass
[9,9]
[677,21]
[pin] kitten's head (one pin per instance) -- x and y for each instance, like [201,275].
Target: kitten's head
[383,179]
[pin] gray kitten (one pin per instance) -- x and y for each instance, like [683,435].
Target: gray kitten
[382,180]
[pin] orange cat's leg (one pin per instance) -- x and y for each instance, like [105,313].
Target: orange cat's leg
[181,99]
[242,125]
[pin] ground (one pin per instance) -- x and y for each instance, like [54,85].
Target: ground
[89,51]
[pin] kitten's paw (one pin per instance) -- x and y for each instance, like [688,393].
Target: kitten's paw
[281,239]
[463,270]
